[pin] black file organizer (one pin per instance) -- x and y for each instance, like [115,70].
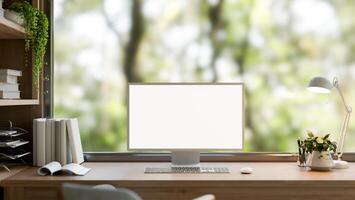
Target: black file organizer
[11,143]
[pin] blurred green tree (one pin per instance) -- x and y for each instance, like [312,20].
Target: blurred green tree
[275,47]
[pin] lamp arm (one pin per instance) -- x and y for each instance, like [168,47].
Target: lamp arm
[336,85]
[344,127]
[343,131]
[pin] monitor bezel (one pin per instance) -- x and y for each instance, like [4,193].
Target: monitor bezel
[184,149]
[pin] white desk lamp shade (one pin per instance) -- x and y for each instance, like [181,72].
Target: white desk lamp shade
[320,85]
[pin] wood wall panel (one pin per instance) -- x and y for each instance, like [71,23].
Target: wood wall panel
[12,56]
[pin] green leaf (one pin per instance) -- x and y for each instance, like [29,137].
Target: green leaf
[36,27]
[310,134]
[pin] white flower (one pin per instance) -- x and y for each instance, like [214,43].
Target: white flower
[320,140]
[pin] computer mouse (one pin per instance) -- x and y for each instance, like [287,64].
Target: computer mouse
[246,170]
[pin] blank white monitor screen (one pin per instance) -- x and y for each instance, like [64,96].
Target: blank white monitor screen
[185,116]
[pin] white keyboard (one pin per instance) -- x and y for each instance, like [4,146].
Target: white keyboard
[187,170]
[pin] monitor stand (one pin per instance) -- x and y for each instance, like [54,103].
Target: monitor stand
[190,159]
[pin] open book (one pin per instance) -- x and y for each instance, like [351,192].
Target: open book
[54,168]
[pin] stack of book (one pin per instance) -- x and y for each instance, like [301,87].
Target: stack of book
[9,87]
[56,140]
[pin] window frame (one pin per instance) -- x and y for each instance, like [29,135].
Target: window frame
[48,70]
[48,111]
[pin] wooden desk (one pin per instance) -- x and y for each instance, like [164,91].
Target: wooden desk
[4,174]
[269,181]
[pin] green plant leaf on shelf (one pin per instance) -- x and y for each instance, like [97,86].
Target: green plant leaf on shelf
[36,38]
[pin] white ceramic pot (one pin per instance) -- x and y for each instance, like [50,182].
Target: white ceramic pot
[1,10]
[14,17]
[320,161]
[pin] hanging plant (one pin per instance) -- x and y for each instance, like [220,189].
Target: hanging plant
[36,38]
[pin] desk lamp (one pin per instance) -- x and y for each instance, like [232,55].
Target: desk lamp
[323,85]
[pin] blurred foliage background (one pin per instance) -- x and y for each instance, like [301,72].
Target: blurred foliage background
[274,46]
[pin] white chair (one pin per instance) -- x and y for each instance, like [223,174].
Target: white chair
[105,192]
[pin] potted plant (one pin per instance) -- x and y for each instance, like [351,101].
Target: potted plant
[319,148]
[36,38]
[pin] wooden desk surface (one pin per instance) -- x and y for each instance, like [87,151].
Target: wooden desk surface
[4,174]
[274,181]
[134,172]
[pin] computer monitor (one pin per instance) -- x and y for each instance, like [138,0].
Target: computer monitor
[185,118]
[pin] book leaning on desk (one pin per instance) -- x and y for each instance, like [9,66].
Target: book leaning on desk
[56,140]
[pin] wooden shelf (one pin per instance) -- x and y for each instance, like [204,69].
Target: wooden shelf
[11,30]
[18,102]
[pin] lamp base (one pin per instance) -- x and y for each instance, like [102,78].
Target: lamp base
[340,164]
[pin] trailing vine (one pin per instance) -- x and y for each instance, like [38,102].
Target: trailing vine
[36,28]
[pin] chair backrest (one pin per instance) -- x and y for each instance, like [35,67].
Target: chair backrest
[84,192]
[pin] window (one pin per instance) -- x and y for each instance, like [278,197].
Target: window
[274,46]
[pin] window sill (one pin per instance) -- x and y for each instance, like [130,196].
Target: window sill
[205,157]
